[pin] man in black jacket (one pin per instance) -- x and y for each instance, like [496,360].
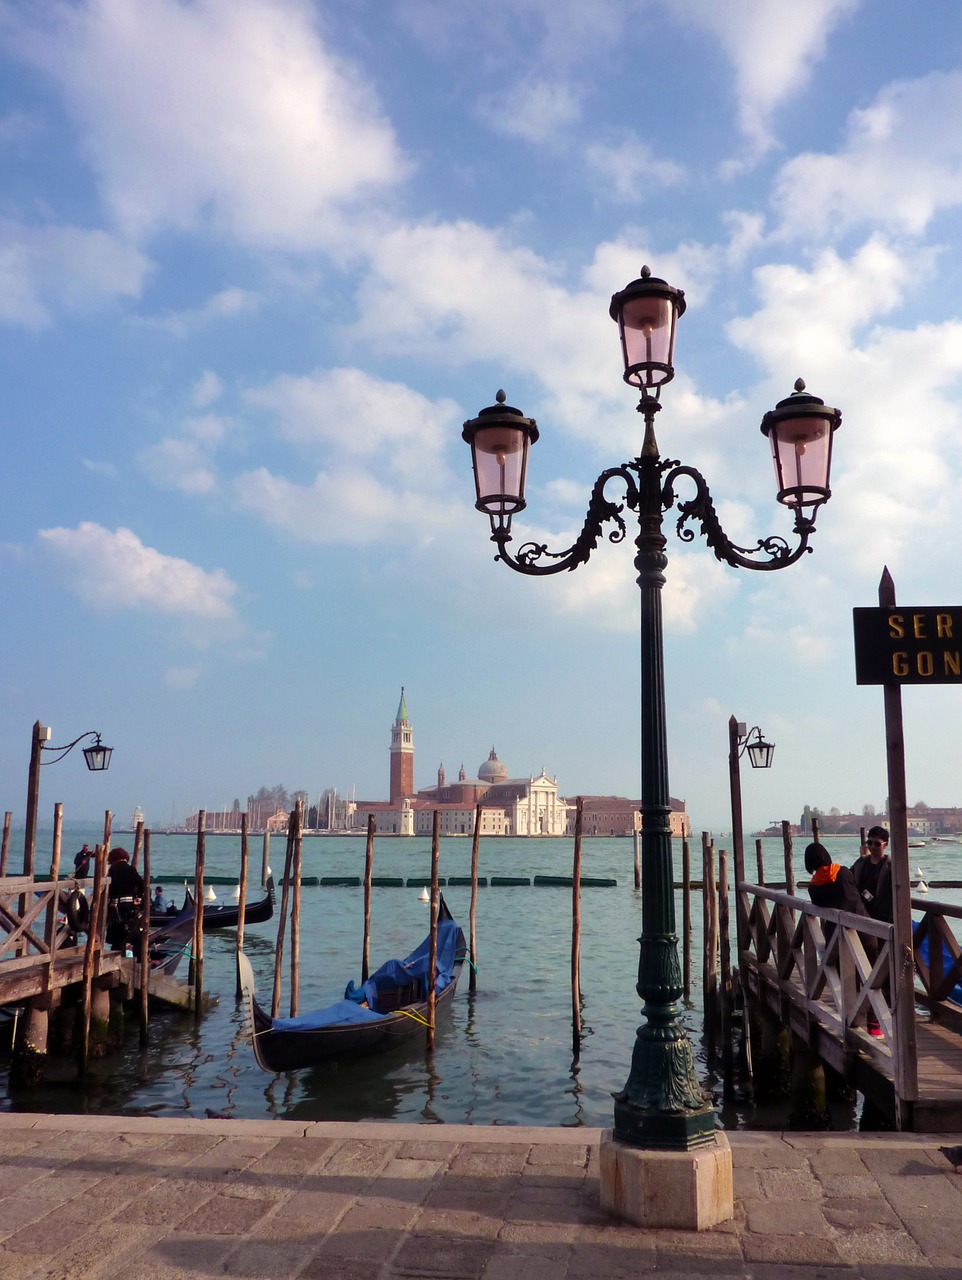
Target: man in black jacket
[873,876]
[124,899]
[873,879]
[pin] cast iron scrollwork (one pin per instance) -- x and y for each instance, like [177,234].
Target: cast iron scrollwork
[601,511]
[701,508]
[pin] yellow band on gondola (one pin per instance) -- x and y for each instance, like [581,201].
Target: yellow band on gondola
[416,1016]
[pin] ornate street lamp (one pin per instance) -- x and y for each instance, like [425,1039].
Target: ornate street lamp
[662,1105]
[97,757]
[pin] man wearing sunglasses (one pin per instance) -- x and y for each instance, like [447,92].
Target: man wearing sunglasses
[873,876]
[873,879]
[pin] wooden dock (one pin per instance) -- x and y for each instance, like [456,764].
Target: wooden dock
[824,988]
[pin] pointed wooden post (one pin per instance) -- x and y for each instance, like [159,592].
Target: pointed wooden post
[296,912]
[5,847]
[473,912]
[242,899]
[576,935]
[368,872]
[282,921]
[903,995]
[433,945]
[145,940]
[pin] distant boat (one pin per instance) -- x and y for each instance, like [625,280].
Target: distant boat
[916,844]
[226,915]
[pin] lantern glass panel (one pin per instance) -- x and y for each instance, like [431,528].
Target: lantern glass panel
[97,757]
[500,462]
[802,452]
[760,754]
[647,335]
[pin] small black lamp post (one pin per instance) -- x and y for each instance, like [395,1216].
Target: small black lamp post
[97,757]
[662,1105]
[760,754]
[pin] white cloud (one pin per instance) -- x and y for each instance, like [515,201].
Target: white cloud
[234,113]
[228,304]
[629,169]
[900,164]
[537,110]
[207,389]
[772,47]
[181,464]
[43,269]
[349,413]
[182,677]
[113,570]
[346,506]
[97,468]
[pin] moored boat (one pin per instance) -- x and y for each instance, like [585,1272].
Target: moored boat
[391,1006]
[225,915]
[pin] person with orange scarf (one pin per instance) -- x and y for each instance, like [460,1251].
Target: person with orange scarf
[832,885]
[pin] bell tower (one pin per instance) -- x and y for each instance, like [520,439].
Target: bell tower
[402,755]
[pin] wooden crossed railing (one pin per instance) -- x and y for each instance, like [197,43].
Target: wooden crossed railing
[838,967]
[841,969]
[32,929]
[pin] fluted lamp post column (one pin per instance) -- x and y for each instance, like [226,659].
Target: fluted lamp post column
[662,1107]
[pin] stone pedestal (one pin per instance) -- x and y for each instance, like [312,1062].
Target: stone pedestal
[691,1190]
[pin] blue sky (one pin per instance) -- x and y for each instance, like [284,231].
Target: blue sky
[259,259]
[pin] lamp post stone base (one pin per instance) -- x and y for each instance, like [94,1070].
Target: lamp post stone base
[689,1190]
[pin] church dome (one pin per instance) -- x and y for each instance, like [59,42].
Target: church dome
[492,770]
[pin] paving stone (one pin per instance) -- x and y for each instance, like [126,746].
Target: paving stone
[778,1218]
[86,1257]
[608,1261]
[225,1215]
[549,1153]
[316,1210]
[15,1266]
[788,1184]
[373,1214]
[178,1257]
[514,1262]
[807,1250]
[459,1222]
[878,1245]
[443,1152]
[318,1268]
[853,1213]
[443,1257]
[271,1260]
[488,1163]
[939,1237]
[369,1245]
[849,1186]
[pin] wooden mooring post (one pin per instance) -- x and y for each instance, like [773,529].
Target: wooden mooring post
[368,872]
[727,990]
[242,898]
[198,956]
[710,917]
[473,912]
[145,945]
[296,911]
[5,846]
[433,943]
[576,933]
[282,920]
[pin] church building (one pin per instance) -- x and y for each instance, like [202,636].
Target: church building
[527,806]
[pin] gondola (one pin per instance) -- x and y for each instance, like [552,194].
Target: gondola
[169,942]
[391,1006]
[224,915]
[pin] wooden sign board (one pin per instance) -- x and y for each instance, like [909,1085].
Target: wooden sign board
[908,646]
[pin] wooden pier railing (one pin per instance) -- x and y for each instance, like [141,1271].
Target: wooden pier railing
[828,973]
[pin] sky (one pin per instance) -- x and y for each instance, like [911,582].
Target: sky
[260,259]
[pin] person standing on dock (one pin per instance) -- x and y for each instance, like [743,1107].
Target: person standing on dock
[125,894]
[873,879]
[832,885]
[873,876]
[81,862]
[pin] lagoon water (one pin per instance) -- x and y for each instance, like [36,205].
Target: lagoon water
[503,1054]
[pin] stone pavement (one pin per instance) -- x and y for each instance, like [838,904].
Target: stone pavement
[140,1198]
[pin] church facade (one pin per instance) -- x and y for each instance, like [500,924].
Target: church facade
[528,806]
